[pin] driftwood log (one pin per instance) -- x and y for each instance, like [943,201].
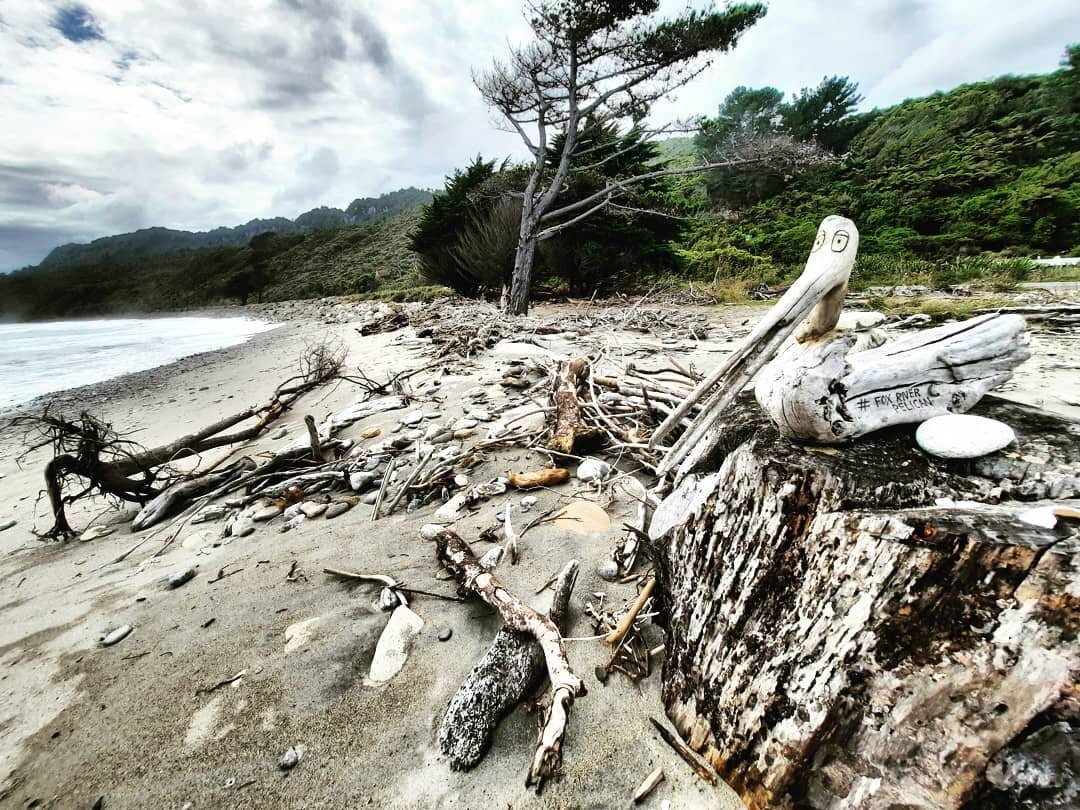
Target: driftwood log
[455,554]
[511,668]
[570,427]
[841,637]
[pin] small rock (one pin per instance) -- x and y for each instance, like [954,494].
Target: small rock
[464,424]
[445,633]
[290,759]
[117,635]
[961,436]
[412,418]
[429,530]
[388,599]
[394,643]
[609,570]
[265,513]
[370,498]
[463,434]
[528,502]
[491,558]
[280,434]
[292,511]
[593,469]
[94,532]
[433,431]
[432,414]
[242,526]
[445,436]
[312,510]
[7,524]
[448,453]
[450,510]
[414,435]
[480,415]
[181,577]
[461,480]
[337,508]
[359,481]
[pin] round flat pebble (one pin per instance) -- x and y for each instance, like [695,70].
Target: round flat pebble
[961,436]
[445,633]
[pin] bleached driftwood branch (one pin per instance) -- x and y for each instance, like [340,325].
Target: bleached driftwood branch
[509,670]
[459,559]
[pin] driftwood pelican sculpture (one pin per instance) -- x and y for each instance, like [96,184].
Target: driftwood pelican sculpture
[817,389]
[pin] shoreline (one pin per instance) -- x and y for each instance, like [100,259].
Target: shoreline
[112,386]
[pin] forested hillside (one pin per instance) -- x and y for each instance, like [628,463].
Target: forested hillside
[272,266]
[150,241]
[987,168]
[942,188]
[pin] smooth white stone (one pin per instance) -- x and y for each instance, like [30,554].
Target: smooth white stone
[451,510]
[393,648]
[957,435]
[593,469]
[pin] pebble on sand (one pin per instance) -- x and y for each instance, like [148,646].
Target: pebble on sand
[337,508]
[7,524]
[265,513]
[178,578]
[242,527]
[593,469]
[961,436]
[392,649]
[291,758]
[117,635]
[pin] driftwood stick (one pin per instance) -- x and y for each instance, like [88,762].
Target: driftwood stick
[456,555]
[684,751]
[382,487]
[405,486]
[511,668]
[626,622]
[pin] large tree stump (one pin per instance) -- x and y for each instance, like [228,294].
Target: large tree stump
[838,640]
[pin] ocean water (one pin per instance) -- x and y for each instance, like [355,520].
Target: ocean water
[40,358]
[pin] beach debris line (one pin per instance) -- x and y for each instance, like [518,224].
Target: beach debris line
[92,451]
[459,559]
[508,672]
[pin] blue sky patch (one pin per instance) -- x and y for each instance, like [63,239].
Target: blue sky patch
[76,23]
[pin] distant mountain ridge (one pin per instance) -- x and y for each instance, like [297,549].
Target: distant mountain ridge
[152,241]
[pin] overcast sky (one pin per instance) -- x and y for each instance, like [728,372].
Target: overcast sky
[122,114]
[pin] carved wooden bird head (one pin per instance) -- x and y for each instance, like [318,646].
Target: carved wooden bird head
[816,297]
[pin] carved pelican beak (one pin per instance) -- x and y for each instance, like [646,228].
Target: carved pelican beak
[816,296]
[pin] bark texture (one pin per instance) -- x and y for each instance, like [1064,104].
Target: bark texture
[569,425]
[511,668]
[838,641]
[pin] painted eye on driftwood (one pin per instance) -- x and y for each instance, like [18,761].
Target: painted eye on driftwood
[819,241]
[840,241]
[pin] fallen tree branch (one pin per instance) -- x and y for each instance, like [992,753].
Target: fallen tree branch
[459,559]
[510,669]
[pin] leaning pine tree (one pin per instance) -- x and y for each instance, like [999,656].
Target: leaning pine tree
[598,63]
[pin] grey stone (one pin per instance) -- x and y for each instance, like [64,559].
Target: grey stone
[609,570]
[7,524]
[265,513]
[445,633]
[179,578]
[337,508]
[242,526]
[312,509]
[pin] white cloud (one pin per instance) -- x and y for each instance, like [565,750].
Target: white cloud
[197,113]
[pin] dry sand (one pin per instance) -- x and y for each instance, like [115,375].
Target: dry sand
[133,724]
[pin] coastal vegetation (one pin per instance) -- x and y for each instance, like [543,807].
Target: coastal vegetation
[961,187]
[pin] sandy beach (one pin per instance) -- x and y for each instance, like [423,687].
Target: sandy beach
[144,724]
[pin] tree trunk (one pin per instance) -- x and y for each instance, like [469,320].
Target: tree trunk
[836,640]
[523,267]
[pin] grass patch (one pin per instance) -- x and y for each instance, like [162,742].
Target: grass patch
[939,309]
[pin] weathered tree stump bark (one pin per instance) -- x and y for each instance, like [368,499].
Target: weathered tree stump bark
[839,639]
